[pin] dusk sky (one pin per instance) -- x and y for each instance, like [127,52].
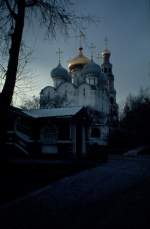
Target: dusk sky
[126,24]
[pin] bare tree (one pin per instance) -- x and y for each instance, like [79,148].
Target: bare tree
[24,79]
[52,15]
[55,102]
[134,101]
[33,103]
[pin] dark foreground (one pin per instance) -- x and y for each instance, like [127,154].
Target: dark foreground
[113,195]
[20,177]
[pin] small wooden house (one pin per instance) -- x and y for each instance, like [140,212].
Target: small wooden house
[67,132]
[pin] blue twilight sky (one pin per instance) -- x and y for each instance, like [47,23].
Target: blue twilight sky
[127,27]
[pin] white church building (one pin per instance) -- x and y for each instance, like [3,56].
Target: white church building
[78,111]
[84,84]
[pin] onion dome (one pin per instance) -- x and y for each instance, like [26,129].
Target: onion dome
[106,52]
[92,68]
[59,72]
[79,60]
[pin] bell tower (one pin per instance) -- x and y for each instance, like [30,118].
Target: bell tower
[106,67]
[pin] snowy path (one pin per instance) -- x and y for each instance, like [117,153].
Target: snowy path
[79,201]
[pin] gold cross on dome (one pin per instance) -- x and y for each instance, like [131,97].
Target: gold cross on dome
[92,47]
[59,53]
[82,38]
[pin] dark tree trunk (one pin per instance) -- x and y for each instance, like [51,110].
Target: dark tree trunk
[8,89]
[11,73]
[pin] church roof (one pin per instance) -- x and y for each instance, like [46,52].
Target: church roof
[53,112]
[78,60]
[59,72]
[92,67]
[106,53]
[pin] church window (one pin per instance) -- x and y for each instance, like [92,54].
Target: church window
[92,81]
[105,70]
[109,70]
[95,81]
[88,81]
[84,91]
[111,100]
[95,132]
[65,93]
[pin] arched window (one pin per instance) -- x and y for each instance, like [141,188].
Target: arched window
[65,93]
[111,100]
[105,70]
[84,92]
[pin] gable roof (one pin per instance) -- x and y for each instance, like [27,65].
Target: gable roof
[53,112]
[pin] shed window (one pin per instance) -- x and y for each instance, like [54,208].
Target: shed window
[49,135]
[95,132]
[64,131]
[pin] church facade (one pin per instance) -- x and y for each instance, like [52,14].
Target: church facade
[76,113]
[85,84]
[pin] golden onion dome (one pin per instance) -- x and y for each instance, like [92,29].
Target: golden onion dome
[78,60]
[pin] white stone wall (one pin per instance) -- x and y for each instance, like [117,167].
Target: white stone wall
[68,91]
[48,92]
[77,77]
[57,82]
[86,97]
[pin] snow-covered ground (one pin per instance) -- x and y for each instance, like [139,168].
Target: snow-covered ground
[134,152]
[76,201]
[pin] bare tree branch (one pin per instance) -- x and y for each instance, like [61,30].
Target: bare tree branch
[13,14]
[31,3]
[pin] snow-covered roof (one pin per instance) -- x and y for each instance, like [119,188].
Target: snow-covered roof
[53,112]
